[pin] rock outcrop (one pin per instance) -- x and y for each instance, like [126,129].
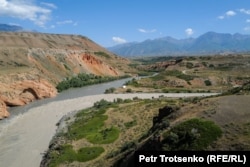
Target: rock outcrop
[23,92]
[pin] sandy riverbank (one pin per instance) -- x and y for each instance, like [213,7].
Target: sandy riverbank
[25,138]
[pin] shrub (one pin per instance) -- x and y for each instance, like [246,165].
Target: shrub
[194,134]
[208,82]
[129,90]
[110,90]
[189,65]
[67,154]
[83,79]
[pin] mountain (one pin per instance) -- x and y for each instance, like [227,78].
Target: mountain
[208,43]
[32,64]
[10,28]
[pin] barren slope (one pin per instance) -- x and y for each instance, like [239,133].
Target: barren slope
[31,64]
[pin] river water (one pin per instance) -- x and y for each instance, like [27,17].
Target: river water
[27,133]
[10,134]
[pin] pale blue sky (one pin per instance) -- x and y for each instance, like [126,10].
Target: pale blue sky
[117,21]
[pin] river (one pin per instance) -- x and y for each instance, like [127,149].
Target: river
[27,133]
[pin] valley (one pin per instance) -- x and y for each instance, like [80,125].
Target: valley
[163,123]
[114,83]
[166,103]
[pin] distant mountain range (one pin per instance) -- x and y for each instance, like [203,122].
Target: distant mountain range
[10,28]
[206,44]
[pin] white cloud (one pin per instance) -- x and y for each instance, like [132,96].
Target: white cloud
[146,31]
[25,10]
[245,11]
[119,40]
[189,31]
[247,29]
[230,13]
[248,20]
[67,22]
[51,5]
[64,22]
[221,17]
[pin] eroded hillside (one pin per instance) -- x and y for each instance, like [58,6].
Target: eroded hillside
[31,64]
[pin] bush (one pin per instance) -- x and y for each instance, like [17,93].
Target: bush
[194,134]
[110,90]
[189,65]
[83,79]
[67,154]
[208,82]
[129,90]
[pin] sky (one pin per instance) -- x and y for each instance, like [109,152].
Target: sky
[113,22]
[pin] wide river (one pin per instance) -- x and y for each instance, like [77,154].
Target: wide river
[25,136]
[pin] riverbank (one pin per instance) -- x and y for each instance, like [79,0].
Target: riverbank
[29,136]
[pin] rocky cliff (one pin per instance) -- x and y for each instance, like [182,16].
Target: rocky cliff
[31,64]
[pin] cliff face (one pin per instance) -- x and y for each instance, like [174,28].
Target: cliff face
[31,64]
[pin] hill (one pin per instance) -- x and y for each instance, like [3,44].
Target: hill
[10,28]
[31,64]
[206,44]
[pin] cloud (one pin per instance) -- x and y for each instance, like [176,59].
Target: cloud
[230,13]
[119,40]
[248,20]
[52,26]
[67,22]
[247,29]
[146,31]
[25,10]
[221,17]
[64,22]
[245,11]
[50,5]
[189,31]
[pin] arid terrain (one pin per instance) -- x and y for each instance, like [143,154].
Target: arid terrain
[31,64]
[215,123]
[192,74]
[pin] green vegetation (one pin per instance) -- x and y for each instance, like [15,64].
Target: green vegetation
[83,79]
[67,154]
[194,134]
[110,90]
[100,53]
[151,60]
[130,124]
[189,65]
[244,89]
[91,125]
[132,82]
[208,82]
[174,73]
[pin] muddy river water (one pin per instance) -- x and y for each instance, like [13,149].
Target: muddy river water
[25,136]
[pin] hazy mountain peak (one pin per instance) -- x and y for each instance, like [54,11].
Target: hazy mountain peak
[10,28]
[208,43]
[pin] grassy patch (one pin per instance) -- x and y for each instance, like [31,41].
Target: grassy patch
[174,73]
[89,124]
[102,54]
[194,134]
[130,124]
[67,154]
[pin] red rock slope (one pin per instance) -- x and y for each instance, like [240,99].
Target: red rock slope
[31,64]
